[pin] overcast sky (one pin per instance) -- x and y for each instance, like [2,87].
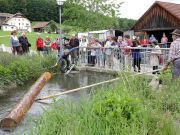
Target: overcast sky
[136,8]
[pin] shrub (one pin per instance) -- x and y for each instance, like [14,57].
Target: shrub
[20,69]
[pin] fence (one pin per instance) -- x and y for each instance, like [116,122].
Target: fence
[127,59]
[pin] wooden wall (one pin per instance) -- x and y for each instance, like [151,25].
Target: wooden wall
[157,18]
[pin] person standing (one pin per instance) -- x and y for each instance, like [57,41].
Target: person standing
[164,41]
[74,42]
[108,52]
[24,43]
[154,57]
[136,55]
[145,41]
[152,39]
[174,55]
[82,50]
[47,45]
[127,52]
[14,42]
[40,45]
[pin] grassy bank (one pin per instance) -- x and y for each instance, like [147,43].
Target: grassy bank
[127,108]
[17,70]
[5,37]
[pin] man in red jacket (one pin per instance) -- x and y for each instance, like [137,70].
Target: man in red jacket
[39,44]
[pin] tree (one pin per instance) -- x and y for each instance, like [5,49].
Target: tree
[106,7]
[53,26]
[125,24]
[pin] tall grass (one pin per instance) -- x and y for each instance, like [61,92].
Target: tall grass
[20,69]
[129,107]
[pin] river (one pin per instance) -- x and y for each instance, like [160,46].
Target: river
[58,83]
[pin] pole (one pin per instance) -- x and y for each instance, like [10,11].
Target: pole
[89,86]
[60,31]
[77,89]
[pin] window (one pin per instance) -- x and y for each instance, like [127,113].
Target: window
[27,24]
[12,27]
[19,24]
[6,27]
[19,19]
[22,23]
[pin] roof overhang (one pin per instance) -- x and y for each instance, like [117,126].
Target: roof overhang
[98,32]
[157,29]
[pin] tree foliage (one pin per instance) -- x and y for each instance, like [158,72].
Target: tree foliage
[81,14]
[125,24]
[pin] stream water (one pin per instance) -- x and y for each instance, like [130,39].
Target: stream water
[58,83]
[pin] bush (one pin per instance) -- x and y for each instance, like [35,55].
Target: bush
[20,69]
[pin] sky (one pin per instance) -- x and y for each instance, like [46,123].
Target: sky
[134,9]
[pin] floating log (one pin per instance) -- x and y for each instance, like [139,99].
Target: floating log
[15,116]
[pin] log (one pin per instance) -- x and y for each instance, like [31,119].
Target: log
[15,116]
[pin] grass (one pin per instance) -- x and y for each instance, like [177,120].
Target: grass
[31,37]
[17,70]
[126,108]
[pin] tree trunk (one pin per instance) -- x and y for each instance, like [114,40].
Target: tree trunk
[15,116]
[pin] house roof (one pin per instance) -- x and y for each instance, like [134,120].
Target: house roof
[15,15]
[40,25]
[5,15]
[172,8]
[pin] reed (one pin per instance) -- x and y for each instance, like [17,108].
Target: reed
[128,107]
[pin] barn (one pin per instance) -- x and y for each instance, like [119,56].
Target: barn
[161,17]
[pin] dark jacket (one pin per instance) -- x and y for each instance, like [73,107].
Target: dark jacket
[136,54]
[74,43]
[23,41]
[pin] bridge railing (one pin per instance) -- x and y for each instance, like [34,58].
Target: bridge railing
[119,59]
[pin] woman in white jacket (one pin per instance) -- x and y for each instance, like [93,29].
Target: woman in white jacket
[154,56]
[83,52]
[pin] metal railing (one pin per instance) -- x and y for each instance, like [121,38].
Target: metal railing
[119,59]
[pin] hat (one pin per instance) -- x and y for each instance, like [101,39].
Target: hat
[176,32]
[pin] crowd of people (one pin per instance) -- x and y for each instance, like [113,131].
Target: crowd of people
[20,45]
[91,51]
[122,51]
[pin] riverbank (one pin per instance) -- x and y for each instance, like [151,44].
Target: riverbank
[129,106]
[18,70]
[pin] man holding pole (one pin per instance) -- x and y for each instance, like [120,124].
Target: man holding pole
[174,55]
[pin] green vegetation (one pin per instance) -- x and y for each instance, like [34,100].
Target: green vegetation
[82,15]
[20,69]
[126,108]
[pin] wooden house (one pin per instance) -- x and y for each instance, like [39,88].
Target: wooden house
[161,17]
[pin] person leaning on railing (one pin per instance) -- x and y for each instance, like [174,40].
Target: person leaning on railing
[174,55]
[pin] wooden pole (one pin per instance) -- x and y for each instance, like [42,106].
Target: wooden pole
[12,119]
[147,72]
[77,89]
[89,86]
